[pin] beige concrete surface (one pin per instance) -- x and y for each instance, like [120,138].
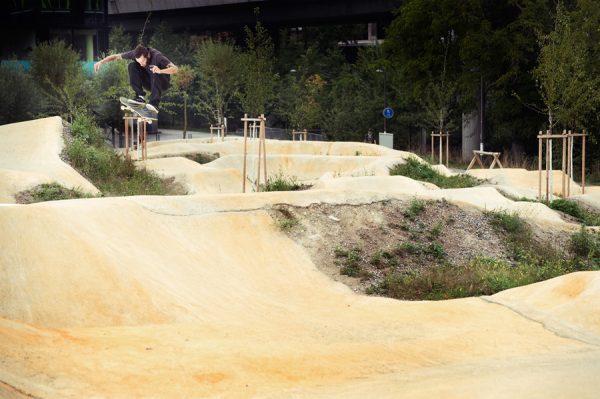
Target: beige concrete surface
[522,182]
[203,296]
[143,302]
[159,149]
[29,155]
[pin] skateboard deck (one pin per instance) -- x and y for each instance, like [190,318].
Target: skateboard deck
[137,109]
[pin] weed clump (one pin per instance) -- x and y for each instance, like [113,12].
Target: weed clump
[49,192]
[280,182]
[424,172]
[586,245]
[414,209]
[589,218]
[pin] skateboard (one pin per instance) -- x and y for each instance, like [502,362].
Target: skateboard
[138,109]
[144,117]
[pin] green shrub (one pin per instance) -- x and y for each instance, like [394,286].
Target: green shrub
[282,183]
[56,69]
[584,244]
[340,252]
[509,222]
[286,224]
[480,276]
[49,192]
[409,248]
[19,100]
[351,264]
[417,170]
[436,230]
[115,175]
[85,129]
[572,208]
[436,250]
[415,207]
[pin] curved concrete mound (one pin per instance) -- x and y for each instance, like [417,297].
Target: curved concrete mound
[30,155]
[204,296]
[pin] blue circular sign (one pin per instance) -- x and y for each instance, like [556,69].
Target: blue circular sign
[388,113]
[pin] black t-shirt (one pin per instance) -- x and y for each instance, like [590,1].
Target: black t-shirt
[155,57]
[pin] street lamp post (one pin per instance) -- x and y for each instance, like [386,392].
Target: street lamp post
[382,70]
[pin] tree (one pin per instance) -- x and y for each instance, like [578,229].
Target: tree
[568,91]
[175,46]
[110,83]
[258,79]
[19,101]
[307,111]
[179,93]
[56,69]
[218,75]
[354,101]
[439,98]
[119,41]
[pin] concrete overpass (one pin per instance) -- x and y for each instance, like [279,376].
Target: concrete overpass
[214,15]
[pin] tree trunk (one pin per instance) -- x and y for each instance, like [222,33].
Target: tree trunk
[184,117]
[470,135]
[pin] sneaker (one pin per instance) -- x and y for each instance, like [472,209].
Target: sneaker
[151,108]
[138,100]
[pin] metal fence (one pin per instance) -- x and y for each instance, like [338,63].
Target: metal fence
[276,133]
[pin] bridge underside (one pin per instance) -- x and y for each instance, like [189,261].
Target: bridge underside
[281,13]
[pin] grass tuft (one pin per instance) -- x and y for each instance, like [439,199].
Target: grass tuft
[415,207]
[280,182]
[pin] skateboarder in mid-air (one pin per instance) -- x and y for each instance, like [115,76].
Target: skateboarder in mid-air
[149,70]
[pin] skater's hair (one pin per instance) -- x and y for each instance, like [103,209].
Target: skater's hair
[140,50]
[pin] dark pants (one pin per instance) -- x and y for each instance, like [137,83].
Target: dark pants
[141,78]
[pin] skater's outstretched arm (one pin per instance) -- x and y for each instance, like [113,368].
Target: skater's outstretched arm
[106,59]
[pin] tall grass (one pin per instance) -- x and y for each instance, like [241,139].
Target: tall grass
[112,173]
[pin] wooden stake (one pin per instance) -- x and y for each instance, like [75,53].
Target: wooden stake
[245,152]
[583,163]
[441,147]
[547,177]
[540,167]
[126,119]
[569,162]
[564,158]
[263,134]
[447,141]
[432,157]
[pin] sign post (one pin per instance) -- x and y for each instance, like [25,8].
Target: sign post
[388,113]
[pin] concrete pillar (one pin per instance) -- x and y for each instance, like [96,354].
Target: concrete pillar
[89,47]
[372,32]
[423,141]
[470,134]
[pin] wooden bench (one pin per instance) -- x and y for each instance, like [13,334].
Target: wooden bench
[303,135]
[477,153]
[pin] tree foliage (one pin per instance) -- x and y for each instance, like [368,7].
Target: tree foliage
[218,74]
[119,41]
[178,94]
[19,100]
[567,87]
[57,70]
[258,79]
